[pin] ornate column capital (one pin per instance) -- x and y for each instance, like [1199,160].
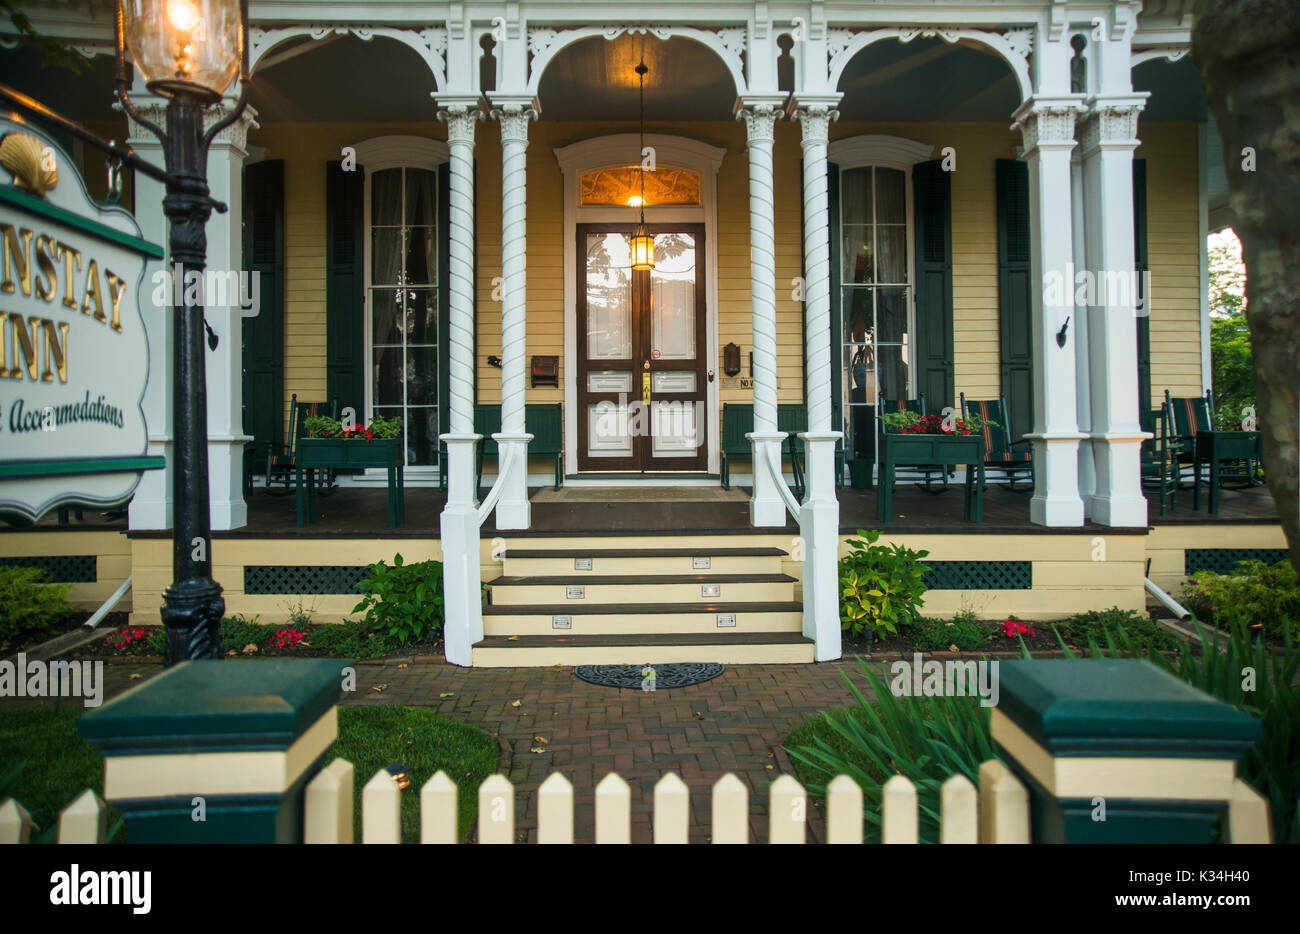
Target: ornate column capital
[815,116]
[514,113]
[235,135]
[1111,123]
[760,113]
[1048,123]
[460,117]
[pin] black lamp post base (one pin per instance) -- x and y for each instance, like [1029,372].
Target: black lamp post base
[192,613]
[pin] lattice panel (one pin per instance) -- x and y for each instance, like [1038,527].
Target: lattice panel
[1225,560]
[63,569]
[979,575]
[295,579]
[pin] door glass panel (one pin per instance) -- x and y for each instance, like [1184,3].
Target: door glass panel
[675,428]
[891,370]
[609,297]
[672,381]
[891,314]
[672,298]
[607,430]
[891,196]
[610,381]
[891,254]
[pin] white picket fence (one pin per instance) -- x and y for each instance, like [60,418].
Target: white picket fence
[996,812]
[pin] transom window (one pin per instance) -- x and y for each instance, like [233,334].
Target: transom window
[876,295]
[622,186]
[404,306]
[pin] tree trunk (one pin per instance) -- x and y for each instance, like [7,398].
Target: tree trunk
[1246,51]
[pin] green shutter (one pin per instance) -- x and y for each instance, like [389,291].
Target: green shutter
[837,326]
[1140,263]
[932,194]
[345,339]
[263,335]
[1015,295]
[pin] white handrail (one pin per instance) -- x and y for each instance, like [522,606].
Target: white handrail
[504,466]
[108,604]
[791,504]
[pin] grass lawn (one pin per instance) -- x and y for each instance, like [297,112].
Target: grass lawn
[45,764]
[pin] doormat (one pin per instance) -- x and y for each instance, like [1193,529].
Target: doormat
[667,676]
[641,494]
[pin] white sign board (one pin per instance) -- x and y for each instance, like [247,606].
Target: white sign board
[75,353]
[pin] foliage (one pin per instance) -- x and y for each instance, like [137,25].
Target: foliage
[928,739]
[908,422]
[53,52]
[403,601]
[351,640]
[881,587]
[1140,631]
[937,635]
[1230,353]
[1257,597]
[323,426]
[239,631]
[28,603]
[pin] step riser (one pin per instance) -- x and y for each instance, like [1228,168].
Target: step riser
[620,594]
[549,567]
[601,624]
[549,656]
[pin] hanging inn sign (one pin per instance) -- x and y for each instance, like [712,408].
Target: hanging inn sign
[75,354]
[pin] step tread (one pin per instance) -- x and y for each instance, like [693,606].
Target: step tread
[631,609]
[596,579]
[646,639]
[645,553]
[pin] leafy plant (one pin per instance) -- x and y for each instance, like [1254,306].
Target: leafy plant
[28,602]
[404,601]
[239,631]
[936,635]
[881,586]
[299,615]
[908,422]
[1256,597]
[323,426]
[351,640]
[928,739]
[1138,630]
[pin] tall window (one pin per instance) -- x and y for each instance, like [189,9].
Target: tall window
[876,297]
[404,306]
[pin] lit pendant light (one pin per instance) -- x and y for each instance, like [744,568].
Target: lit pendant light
[643,243]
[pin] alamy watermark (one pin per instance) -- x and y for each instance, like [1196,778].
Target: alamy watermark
[1109,288]
[208,288]
[952,678]
[22,678]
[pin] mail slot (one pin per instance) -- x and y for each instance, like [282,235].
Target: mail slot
[546,371]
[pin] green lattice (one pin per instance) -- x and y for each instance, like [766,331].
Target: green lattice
[296,579]
[63,569]
[979,575]
[1225,560]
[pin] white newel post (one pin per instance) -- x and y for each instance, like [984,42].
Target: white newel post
[819,515]
[513,113]
[760,113]
[1047,124]
[225,365]
[1108,139]
[460,522]
[1083,395]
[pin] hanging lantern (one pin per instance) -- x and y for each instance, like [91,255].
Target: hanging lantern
[643,242]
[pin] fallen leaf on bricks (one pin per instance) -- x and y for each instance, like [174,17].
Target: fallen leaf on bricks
[516,703]
[537,749]
[512,638]
[402,665]
[250,649]
[380,687]
[447,694]
[134,677]
[540,739]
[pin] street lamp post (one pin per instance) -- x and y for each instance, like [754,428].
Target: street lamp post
[189,52]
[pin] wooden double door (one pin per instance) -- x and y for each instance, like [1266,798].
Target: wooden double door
[642,382]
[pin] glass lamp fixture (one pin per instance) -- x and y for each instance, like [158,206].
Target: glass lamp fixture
[184,48]
[643,243]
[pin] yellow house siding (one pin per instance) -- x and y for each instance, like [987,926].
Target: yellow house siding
[1173,248]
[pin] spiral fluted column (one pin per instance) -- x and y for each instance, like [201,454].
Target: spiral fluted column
[461,120]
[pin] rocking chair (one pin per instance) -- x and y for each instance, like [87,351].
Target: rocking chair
[280,466]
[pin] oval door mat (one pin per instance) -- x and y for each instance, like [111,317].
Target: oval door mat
[667,676]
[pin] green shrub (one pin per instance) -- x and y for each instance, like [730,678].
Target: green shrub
[28,603]
[881,586]
[1259,596]
[1083,628]
[403,602]
[936,635]
[238,631]
[351,640]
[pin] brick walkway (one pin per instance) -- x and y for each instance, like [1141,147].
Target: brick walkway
[730,724]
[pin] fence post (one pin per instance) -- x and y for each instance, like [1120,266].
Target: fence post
[381,810]
[85,820]
[843,810]
[218,751]
[439,810]
[15,823]
[672,810]
[1248,816]
[613,810]
[1118,750]
[959,820]
[1004,805]
[730,810]
[328,805]
[787,811]
[496,810]
[898,818]
[555,810]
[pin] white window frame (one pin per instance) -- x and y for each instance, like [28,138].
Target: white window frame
[376,155]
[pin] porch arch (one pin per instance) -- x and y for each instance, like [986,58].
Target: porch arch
[429,44]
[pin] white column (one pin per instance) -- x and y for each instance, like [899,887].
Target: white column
[225,364]
[1047,124]
[819,515]
[760,113]
[513,113]
[459,526]
[1109,137]
[1087,474]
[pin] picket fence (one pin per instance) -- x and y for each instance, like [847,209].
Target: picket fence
[996,812]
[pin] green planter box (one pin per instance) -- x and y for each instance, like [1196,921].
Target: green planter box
[349,453]
[932,451]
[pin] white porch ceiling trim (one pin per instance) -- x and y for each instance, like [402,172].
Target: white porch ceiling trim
[892,152]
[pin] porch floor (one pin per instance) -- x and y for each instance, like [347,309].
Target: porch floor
[355,511]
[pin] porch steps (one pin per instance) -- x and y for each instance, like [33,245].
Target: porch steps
[608,603]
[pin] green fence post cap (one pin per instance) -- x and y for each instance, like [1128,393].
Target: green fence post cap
[217,706]
[1119,707]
